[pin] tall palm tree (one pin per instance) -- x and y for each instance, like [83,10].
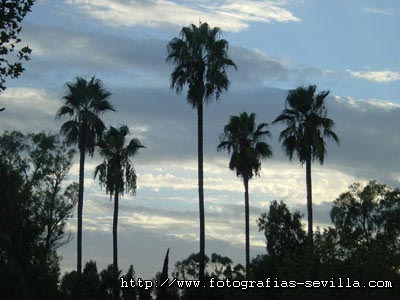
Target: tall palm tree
[245,140]
[85,102]
[118,175]
[307,124]
[200,59]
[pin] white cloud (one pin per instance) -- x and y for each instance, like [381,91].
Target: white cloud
[28,108]
[364,105]
[375,10]
[377,76]
[234,15]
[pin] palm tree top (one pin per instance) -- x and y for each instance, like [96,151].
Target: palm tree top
[305,115]
[246,142]
[84,102]
[200,58]
[83,96]
[117,164]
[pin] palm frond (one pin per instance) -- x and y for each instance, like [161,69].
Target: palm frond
[305,117]
[243,139]
[199,58]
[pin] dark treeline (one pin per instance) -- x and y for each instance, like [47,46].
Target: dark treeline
[363,244]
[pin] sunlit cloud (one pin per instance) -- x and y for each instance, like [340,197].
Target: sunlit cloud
[233,15]
[375,10]
[377,76]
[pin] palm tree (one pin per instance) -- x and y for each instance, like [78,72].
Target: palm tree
[307,124]
[245,140]
[85,102]
[118,175]
[200,59]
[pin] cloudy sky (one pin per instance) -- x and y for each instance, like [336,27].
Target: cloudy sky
[348,47]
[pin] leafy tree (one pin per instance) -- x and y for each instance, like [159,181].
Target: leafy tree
[244,139]
[34,207]
[307,124]
[68,285]
[162,292]
[12,12]
[283,230]
[117,174]
[107,282]
[363,245]
[91,281]
[85,102]
[218,267]
[366,220]
[200,59]
[129,293]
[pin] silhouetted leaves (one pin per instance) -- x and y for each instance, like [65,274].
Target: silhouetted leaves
[12,12]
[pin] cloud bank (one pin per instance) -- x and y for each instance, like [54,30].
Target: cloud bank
[231,15]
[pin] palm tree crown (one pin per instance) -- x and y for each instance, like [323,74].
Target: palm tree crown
[117,172]
[200,59]
[307,124]
[245,141]
[84,103]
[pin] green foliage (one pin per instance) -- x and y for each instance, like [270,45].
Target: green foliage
[67,285]
[306,127]
[12,12]
[90,281]
[200,59]
[85,102]
[283,230]
[363,245]
[34,207]
[218,267]
[117,172]
[107,281]
[129,293]
[245,140]
[307,124]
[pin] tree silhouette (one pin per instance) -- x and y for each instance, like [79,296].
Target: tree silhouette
[35,204]
[85,102]
[200,59]
[12,12]
[245,140]
[307,125]
[118,175]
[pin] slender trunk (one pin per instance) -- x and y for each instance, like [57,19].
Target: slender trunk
[80,210]
[309,202]
[201,191]
[115,245]
[247,223]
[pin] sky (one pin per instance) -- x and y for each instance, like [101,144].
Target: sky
[350,48]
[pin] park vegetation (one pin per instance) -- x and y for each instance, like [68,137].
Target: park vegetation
[37,199]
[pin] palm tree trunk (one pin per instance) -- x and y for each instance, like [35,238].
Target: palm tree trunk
[201,191]
[115,245]
[247,223]
[309,201]
[310,246]
[80,212]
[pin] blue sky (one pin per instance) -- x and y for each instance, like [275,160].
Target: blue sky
[348,47]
